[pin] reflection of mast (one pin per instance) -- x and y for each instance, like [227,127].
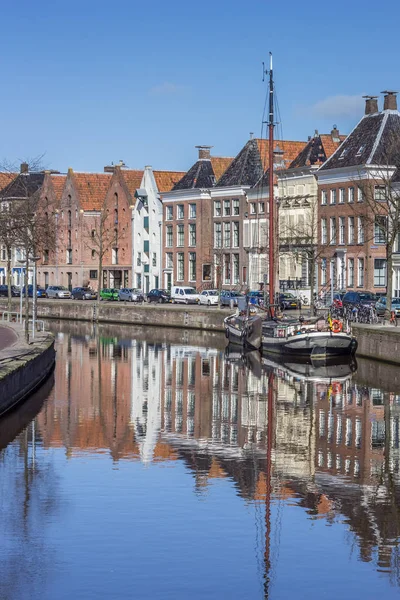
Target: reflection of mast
[268,489]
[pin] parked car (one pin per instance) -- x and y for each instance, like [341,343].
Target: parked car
[14,290]
[228,296]
[380,306]
[209,297]
[256,297]
[58,291]
[185,295]
[40,291]
[109,294]
[83,293]
[364,298]
[160,296]
[131,295]
[287,301]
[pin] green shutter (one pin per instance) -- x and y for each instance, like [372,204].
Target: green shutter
[146,222]
[146,246]
[146,268]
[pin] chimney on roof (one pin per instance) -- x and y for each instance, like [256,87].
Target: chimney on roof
[389,100]
[335,135]
[371,105]
[204,152]
[24,168]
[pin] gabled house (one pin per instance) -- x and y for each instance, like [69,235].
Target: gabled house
[357,189]
[298,212]
[51,194]
[187,229]
[147,224]
[240,214]
[18,191]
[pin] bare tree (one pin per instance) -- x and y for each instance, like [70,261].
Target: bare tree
[378,207]
[29,218]
[8,233]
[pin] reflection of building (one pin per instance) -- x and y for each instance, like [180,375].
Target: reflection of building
[335,445]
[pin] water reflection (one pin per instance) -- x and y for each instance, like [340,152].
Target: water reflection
[290,439]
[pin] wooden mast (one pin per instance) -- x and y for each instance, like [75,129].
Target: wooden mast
[271,270]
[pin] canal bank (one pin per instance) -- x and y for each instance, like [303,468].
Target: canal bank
[23,366]
[158,315]
[379,342]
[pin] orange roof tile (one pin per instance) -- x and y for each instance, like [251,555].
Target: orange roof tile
[6,178]
[329,145]
[166,180]
[220,164]
[133,179]
[290,150]
[92,189]
[58,182]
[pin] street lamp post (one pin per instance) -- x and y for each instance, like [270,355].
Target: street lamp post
[21,262]
[34,296]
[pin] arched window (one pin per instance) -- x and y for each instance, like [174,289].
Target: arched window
[69,218]
[116,216]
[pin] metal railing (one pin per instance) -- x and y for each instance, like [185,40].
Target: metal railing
[39,325]
[11,317]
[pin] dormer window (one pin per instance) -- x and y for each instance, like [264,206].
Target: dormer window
[360,150]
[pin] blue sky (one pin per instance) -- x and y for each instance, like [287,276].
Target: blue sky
[92,82]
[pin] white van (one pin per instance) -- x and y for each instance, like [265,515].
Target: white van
[184,294]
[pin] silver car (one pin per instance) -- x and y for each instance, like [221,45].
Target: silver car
[58,291]
[130,295]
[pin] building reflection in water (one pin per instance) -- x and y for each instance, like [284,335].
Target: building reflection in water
[335,444]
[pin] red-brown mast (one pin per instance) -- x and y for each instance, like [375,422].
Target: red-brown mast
[271,189]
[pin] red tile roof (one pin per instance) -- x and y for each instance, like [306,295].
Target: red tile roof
[133,179]
[329,145]
[58,182]
[220,164]
[6,178]
[92,189]
[166,180]
[290,150]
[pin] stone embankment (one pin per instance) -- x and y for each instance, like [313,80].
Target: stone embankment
[158,315]
[23,367]
[380,342]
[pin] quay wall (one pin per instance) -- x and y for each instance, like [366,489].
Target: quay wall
[24,367]
[158,315]
[379,342]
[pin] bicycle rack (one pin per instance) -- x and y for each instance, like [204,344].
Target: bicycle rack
[39,325]
[10,317]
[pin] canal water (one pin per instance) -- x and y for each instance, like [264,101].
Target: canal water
[156,465]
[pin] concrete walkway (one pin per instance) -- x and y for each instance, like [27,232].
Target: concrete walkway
[7,337]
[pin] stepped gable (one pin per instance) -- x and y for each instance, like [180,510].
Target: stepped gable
[166,180]
[92,189]
[250,166]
